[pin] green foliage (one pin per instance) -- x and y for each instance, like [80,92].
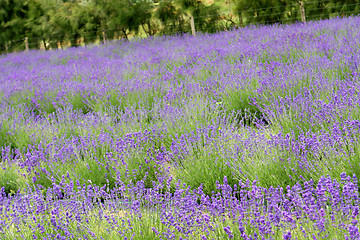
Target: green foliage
[5,134]
[11,178]
[206,169]
[127,16]
[324,9]
[41,25]
[144,100]
[86,168]
[171,17]
[12,29]
[78,101]
[54,23]
[241,103]
[284,11]
[206,18]
[265,11]
[15,137]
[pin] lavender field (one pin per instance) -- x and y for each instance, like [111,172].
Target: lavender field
[247,134]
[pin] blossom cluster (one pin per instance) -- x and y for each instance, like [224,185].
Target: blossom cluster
[251,133]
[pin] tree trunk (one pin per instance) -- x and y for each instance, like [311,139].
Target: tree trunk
[6,47]
[26,44]
[147,34]
[151,31]
[44,44]
[104,36]
[124,31]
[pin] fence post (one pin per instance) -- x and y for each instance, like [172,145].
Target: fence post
[42,45]
[59,45]
[26,44]
[192,23]
[104,36]
[302,11]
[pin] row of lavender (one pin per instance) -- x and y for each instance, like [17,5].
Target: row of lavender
[158,132]
[242,211]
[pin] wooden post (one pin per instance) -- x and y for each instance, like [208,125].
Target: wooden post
[6,47]
[42,45]
[302,11]
[104,37]
[26,44]
[192,23]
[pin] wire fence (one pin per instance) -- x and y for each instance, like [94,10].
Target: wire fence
[183,25]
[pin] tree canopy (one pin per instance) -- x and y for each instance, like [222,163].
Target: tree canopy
[57,23]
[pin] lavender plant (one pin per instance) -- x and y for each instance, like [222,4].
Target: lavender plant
[246,134]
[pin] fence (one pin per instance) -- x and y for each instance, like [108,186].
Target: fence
[205,23]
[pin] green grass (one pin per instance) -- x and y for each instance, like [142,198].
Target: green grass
[12,178]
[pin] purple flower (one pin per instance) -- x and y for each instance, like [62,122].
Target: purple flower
[228,232]
[287,235]
[354,230]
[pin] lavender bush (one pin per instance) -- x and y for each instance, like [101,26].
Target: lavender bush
[246,134]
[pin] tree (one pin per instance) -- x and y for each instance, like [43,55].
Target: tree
[65,23]
[206,17]
[170,17]
[89,17]
[39,22]
[143,12]
[266,11]
[12,30]
[127,16]
[340,8]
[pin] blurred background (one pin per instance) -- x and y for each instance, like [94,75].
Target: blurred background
[50,24]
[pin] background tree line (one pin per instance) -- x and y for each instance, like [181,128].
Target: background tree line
[57,23]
